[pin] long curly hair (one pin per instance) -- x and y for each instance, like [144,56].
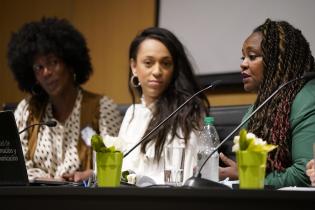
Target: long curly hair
[286,56]
[183,85]
[47,36]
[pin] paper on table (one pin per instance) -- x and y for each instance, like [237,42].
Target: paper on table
[229,183]
[297,188]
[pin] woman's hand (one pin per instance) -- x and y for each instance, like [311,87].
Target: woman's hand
[229,171]
[49,178]
[310,171]
[78,176]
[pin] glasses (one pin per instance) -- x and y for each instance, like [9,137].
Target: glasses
[51,64]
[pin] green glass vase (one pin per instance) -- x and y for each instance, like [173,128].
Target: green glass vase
[251,169]
[108,168]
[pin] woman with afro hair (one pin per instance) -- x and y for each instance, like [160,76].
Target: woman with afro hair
[50,61]
[274,54]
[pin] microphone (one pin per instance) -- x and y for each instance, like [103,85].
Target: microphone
[197,181]
[308,76]
[50,123]
[213,84]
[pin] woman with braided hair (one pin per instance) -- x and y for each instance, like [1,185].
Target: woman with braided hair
[273,54]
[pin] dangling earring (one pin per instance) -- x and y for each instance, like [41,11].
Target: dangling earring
[134,81]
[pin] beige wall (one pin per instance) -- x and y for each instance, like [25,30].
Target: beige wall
[230,96]
[109,26]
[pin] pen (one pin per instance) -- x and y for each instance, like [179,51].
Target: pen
[85,184]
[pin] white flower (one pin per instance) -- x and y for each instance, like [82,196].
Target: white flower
[111,141]
[250,143]
[259,141]
[236,139]
[131,178]
[236,147]
[250,136]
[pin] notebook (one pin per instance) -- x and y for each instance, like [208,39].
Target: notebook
[12,165]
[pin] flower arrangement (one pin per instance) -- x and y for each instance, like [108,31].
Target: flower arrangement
[251,156]
[109,159]
[249,142]
[107,143]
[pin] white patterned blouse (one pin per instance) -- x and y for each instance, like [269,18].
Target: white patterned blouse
[56,152]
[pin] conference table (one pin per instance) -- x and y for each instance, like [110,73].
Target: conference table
[65,197]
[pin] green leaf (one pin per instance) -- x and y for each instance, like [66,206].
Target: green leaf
[111,149]
[269,147]
[250,143]
[261,148]
[124,175]
[103,149]
[97,143]
[243,141]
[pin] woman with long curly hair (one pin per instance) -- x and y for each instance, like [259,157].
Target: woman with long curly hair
[162,76]
[274,54]
[50,61]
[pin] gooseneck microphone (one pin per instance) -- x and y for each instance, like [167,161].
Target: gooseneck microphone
[197,181]
[50,123]
[213,84]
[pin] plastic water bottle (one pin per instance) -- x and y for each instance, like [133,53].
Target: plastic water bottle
[209,139]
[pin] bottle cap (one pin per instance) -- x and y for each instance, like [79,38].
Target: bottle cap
[208,120]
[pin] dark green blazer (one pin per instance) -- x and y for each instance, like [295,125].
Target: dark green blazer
[302,122]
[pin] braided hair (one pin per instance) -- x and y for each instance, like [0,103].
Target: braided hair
[286,55]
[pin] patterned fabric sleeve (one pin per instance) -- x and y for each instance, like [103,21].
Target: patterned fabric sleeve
[110,118]
[21,116]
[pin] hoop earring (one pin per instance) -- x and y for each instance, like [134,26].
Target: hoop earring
[134,81]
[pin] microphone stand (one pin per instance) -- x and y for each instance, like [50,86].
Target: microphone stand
[197,181]
[174,112]
[48,123]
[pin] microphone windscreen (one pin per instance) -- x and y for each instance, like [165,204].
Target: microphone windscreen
[215,83]
[51,123]
[309,75]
